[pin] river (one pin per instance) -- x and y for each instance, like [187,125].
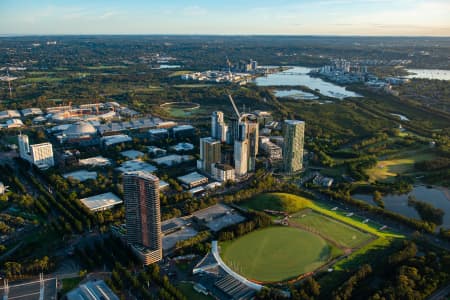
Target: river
[295,94]
[429,74]
[296,76]
[399,203]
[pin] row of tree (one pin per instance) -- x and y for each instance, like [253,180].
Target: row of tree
[255,220]
[427,211]
[14,270]
[345,291]
[144,284]
[345,196]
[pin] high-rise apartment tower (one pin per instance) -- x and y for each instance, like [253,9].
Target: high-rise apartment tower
[294,133]
[142,214]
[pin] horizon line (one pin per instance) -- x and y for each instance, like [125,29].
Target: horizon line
[214,34]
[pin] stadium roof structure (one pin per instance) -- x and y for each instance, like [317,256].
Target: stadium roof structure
[80,129]
[92,290]
[101,201]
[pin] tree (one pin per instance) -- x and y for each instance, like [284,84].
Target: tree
[12,269]
[378,199]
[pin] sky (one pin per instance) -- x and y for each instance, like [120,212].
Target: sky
[287,17]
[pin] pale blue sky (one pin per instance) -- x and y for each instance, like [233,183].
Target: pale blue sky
[299,17]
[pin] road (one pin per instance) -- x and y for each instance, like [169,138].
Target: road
[441,294]
[10,251]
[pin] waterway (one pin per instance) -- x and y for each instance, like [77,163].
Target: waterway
[429,74]
[169,66]
[296,76]
[295,94]
[399,203]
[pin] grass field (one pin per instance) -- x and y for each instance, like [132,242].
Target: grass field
[149,89]
[188,290]
[41,79]
[277,253]
[192,86]
[380,246]
[294,203]
[182,111]
[277,201]
[179,73]
[401,163]
[340,233]
[102,67]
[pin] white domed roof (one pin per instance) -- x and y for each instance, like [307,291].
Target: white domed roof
[80,128]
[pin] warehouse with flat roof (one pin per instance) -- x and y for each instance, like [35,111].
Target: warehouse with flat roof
[81,175]
[101,202]
[192,180]
[136,165]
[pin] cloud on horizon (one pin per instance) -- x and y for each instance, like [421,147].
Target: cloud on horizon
[341,17]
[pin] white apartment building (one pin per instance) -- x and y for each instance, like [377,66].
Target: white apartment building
[222,172]
[40,155]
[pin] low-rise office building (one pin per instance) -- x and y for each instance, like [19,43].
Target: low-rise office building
[32,111]
[40,155]
[271,150]
[183,131]
[158,134]
[101,202]
[9,114]
[222,172]
[192,180]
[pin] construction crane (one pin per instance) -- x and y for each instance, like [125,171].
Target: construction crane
[234,106]
[9,83]
[229,67]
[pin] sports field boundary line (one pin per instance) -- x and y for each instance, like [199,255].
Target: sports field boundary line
[221,263]
[372,238]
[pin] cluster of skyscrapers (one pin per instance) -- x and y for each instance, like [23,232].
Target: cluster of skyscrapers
[243,134]
[141,189]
